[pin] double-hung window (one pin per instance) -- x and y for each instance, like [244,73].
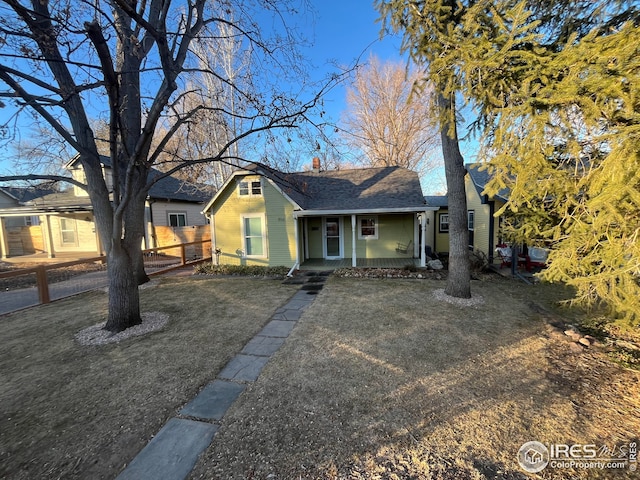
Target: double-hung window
[253,233]
[68,231]
[444,222]
[368,228]
[471,218]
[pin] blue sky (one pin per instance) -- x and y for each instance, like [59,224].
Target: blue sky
[346,30]
[341,31]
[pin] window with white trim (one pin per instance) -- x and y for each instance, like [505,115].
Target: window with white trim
[250,188]
[368,228]
[254,236]
[471,218]
[177,219]
[443,220]
[68,231]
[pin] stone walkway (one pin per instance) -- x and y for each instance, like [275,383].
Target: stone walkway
[174,451]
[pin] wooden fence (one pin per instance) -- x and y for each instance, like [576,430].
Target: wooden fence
[157,261]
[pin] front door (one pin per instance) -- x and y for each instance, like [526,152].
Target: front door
[332,238]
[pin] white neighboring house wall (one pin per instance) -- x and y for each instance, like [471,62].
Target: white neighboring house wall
[160,211]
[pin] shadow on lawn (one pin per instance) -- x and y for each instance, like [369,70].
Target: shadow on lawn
[371,386]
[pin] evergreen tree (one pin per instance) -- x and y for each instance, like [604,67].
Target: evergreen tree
[555,86]
[567,145]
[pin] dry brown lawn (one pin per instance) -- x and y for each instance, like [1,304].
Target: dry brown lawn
[379,380]
[74,412]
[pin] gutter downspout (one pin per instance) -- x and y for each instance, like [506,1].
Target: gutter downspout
[423,242]
[295,267]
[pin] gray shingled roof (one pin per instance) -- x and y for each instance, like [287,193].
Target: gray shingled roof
[480,178]
[172,188]
[169,188]
[439,201]
[354,189]
[27,194]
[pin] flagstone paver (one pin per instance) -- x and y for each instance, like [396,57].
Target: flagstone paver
[244,368]
[173,452]
[277,328]
[214,400]
[263,346]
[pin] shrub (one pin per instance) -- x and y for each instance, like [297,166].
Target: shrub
[241,270]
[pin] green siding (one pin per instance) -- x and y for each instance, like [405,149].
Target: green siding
[228,213]
[442,238]
[392,229]
[229,221]
[482,222]
[483,219]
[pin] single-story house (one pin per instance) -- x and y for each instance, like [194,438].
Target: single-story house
[355,217]
[484,226]
[11,197]
[66,225]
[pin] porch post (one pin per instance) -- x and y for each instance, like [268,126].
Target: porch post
[4,242]
[423,240]
[296,235]
[48,242]
[147,221]
[97,234]
[353,241]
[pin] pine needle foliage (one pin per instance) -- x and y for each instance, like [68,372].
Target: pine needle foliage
[569,151]
[556,86]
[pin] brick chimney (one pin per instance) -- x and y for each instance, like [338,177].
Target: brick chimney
[316,164]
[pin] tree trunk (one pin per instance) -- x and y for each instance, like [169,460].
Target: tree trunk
[135,221]
[459,279]
[124,298]
[125,266]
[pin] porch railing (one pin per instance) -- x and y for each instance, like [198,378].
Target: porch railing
[41,284]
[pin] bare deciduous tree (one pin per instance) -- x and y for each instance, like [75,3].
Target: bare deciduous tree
[125,62]
[389,122]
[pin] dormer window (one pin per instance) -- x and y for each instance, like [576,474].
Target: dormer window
[250,188]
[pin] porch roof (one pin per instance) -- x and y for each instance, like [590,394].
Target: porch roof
[369,211]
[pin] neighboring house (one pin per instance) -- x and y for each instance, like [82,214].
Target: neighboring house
[15,196]
[353,217]
[440,220]
[483,225]
[66,223]
[21,234]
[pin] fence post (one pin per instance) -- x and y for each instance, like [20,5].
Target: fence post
[183,254]
[43,286]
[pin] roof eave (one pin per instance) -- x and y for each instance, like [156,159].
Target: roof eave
[361,211]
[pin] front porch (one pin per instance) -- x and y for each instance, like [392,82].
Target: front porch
[322,264]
